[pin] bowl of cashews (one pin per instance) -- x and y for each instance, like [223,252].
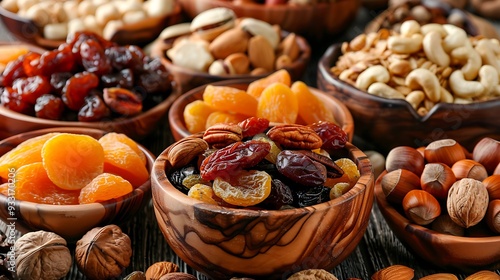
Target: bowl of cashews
[422,84]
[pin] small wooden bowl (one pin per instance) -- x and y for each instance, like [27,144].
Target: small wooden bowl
[467,254]
[72,221]
[387,123]
[179,130]
[262,244]
[139,33]
[189,79]
[315,21]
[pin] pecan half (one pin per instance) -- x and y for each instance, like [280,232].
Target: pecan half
[184,151]
[294,136]
[222,135]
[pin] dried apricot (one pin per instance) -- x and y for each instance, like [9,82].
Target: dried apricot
[230,99]
[202,192]
[120,137]
[4,189]
[27,152]
[245,188]
[311,108]
[72,160]
[223,117]
[278,104]
[33,184]
[104,187]
[120,159]
[256,87]
[196,114]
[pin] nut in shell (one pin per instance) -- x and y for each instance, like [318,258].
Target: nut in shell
[209,24]
[42,255]
[492,184]
[468,168]
[261,28]
[318,274]
[397,183]
[447,151]
[158,269]
[404,157]
[421,207]
[493,215]
[467,202]
[103,252]
[178,276]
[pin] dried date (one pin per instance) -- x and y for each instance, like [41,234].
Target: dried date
[253,126]
[301,169]
[332,135]
[49,107]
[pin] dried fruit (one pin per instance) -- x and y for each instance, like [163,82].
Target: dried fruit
[253,126]
[277,103]
[311,108]
[202,192]
[104,187]
[331,134]
[256,87]
[122,101]
[245,188]
[301,169]
[196,114]
[230,99]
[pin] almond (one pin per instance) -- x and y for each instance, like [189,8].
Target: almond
[261,53]
[232,41]
[394,272]
[440,276]
[484,275]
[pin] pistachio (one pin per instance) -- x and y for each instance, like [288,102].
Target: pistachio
[191,54]
[211,23]
[239,62]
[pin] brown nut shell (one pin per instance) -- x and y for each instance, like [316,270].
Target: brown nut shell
[232,41]
[483,275]
[493,215]
[447,151]
[445,224]
[468,168]
[467,202]
[404,157]
[436,179]
[159,269]
[261,53]
[487,152]
[397,183]
[492,184]
[421,207]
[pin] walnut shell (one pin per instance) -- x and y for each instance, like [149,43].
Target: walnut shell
[103,252]
[467,202]
[42,255]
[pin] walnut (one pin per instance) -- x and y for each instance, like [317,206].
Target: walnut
[103,252]
[158,269]
[42,255]
[311,274]
[467,202]
[136,275]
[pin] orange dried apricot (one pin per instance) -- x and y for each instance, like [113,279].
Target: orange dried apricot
[27,152]
[311,108]
[9,53]
[245,188]
[4,189]
[223,117]
[120,137]
[72,160]
[278,104]
[256,87]
[230,99]
[104,187]
[196,114]
[121,160]
[203,193]
[33,184]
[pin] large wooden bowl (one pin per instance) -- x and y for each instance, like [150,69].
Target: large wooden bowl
[387,123]
[71,221]
[179,129]
[467,254]
[139,33]
[314,21]
[262,244]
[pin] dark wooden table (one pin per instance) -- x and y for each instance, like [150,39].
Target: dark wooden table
[379,247]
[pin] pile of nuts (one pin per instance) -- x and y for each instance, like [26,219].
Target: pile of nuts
[104,17]
[402,272]
[445,173]
[424,64]
[281,2]
[220,44]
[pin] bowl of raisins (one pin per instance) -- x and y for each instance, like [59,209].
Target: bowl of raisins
[69,180]
[285,197]
[86,82]
[232,101]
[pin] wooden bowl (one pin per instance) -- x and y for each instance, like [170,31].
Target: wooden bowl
[467,254]
[178,126]
[72,221]
[314,21]
[262,244]
[139,33]
[189,79]
[387,123]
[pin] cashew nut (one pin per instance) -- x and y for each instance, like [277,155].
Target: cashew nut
[405,45]
[372,74]
[472,61]
[488,52]
[409,28]
[457,37]
[488,77]
[415,98]
[446,96]
[434,50]
[55,31]
[400,67]
[424,79]
[463,88]
[383,90]
[425,29]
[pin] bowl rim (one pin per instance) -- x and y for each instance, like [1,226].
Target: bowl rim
[176,105]
[327,60]
[390,213]
[271,8]
[32,206]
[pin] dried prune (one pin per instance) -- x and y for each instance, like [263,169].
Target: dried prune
[93,109]
[93,58]
[12,71]
[301,168]
[154,82]
[58,81]
[10,99]
[178,175]
[77,87]
[332,135]
[310,196]
[123,79]
[30,88]
[253,126]
[280,195]
[237,156]
[49,107]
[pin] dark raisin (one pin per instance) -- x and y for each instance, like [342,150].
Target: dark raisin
[60,60]
[30,88]
[58,81]
[310,196]
[93,109]
[12,71]
[123,79]
[177,176]
[300,168]
[280,195]
[77,87]
[49,106]
[93,58]
[10,99]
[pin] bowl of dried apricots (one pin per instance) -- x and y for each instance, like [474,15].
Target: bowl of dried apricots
[273,97]
[69,180]
[242,194]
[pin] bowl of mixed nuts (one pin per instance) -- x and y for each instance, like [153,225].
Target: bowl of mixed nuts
[238,194]
[414,87]
[443,202]
[87,82]
[217,45]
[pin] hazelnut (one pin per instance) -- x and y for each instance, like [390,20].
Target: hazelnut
[437,179]
[421,207]
[467,168]
[492,184]
[493,215]
[397,183]
[404,157]
[467,202]
[487,153]
[447,151]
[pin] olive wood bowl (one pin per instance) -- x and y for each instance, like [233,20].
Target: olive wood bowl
[189,79]
[316,21]
[179,129]
[387,123]
[262,244]
[71,221]
[139,33]
[467,254]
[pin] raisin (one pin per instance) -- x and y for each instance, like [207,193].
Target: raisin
[311,196]
[123,79]
[178,175]
[49,106]
[58,81]
[332,135]
[93,109]
[30,88]
[13,70]
[154,82]
[76,39]
[10,99]
[280,195]
[301,169]
[60,60]
[77,87]
[137,63]
[237,156]
[31,64]
[253,126]
[93,58]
